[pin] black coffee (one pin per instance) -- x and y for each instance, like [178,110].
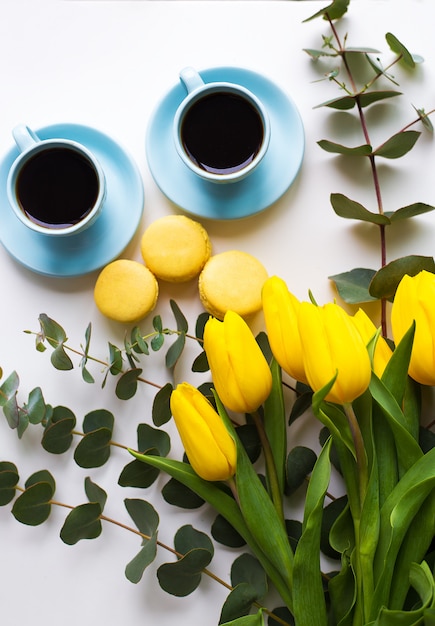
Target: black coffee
[222,133]
[57,187]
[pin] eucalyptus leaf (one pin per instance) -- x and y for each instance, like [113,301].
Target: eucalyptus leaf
[94,449]
[182,324]
[136,567]
[157,342]
[83,522]
[99,418]
[336,148]
[9,388]
[247,620]
[35,406]
[345,207]
[58,435]
[353,286]
[331,512]
[161,410]
[9,478]
[60,359]
[384,282]
[115,360]
[52,332]
[139,475]
[398,145]
[33,506]
[247,569]
[126,386]
[224,533]
[333,11]
[42,476]
[238,603]
[200,364]
[143,515]
[95,493]
[411,210]
[398,47]
[177,494]
[175,350]
[300,462]
[138,342]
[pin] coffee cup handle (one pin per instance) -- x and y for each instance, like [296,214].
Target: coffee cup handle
[24,137]
[191,79]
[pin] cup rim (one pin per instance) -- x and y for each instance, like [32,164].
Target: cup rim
[42,145]
[200,92]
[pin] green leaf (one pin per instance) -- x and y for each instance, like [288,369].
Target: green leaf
[183,577]
[238,604]
[126,386]
[224,533]
[365,99]
[161,410]
[386,280]
[397,47]
[149,438]
[398,145]
[175,350]
[94,449]
[316,54]
[157,342]
[345,207]
[35,406]
[418,208]
[146,519]
[331,512]
[247,569]
[115,360]
[60,360]
[177,494]
[43,476]
[353,286]
[300,462]
[182,325]
[8,480]
[82,523]
[336,148]
[333,11]
[201,321]
[33,506]
[58,435]
[52,332]
[138,342]
[95,493]
[200,364]
[309,599]
[137,474]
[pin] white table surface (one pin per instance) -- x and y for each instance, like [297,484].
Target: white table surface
[107,64]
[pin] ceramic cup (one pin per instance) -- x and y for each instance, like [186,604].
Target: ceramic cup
[221,130]
[55,186]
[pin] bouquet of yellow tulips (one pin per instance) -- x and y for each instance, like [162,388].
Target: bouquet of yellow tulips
[366,394]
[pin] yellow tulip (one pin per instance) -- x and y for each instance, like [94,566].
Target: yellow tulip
[415,300]
[367,329]
[332,346]
[209,447]
[240,372]
[280,308]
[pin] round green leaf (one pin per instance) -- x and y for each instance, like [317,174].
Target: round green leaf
[353,286]
[386,280]
[300,462]
[33,506]
[174,352]
[183,577]
[224,533]
[94,449]
[137,474]
[58,437]
[95,493]
[143,515]
[82,523]
[100,418]
[126,386]
[177,494]
[149,438]
[8,480]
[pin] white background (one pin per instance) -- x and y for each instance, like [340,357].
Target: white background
[107,64]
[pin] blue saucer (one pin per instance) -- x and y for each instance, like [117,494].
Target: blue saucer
[104,240]
[258,191]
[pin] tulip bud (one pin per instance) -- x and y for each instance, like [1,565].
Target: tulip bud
[367,330]
[240,372]
[280,308]
[332,346]
[209,447]
[415,300]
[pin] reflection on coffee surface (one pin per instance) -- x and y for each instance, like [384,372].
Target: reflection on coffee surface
[222,133]
[57,187]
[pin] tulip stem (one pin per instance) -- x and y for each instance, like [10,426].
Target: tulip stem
[361,458]
[271,471]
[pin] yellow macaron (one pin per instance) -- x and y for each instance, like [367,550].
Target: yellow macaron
[175,248]
[232,281]
[126,291]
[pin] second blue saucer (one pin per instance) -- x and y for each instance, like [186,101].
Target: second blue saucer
[229,201]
